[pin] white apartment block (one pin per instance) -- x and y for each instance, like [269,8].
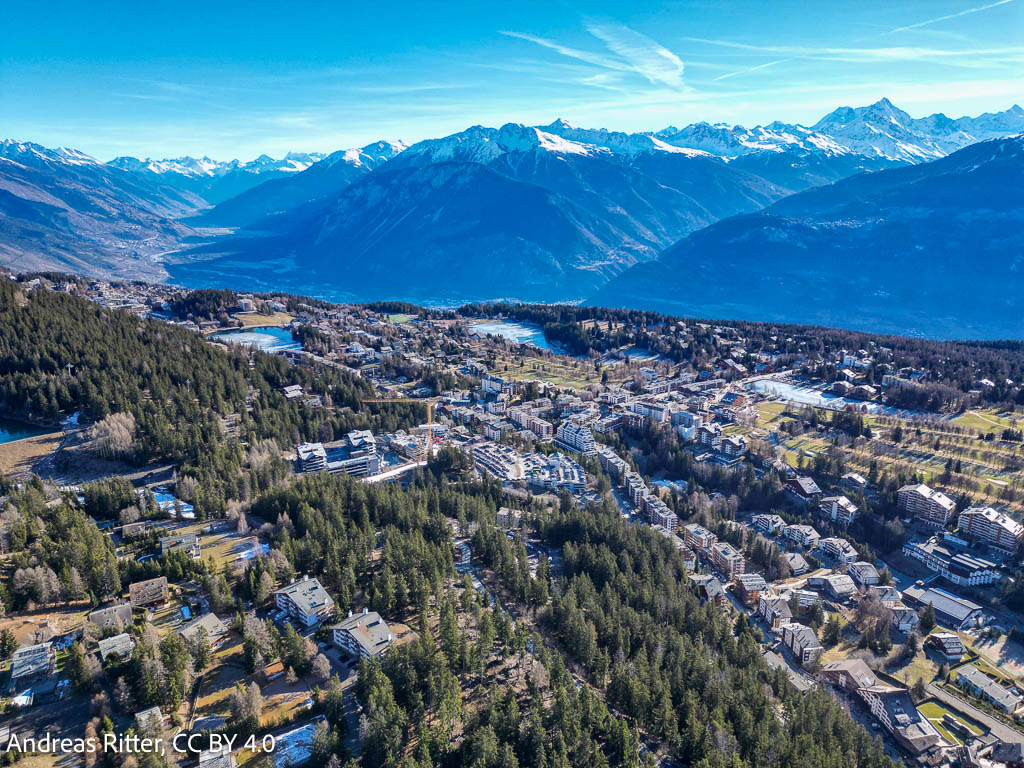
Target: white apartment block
[933,507]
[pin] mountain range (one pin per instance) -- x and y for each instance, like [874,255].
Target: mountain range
[545,213]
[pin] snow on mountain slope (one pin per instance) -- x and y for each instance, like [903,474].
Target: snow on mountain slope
[321,180]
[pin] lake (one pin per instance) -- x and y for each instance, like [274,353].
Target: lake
[269,339]
[11,430]
[520,333]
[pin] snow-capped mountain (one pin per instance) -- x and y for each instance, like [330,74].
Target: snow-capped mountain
[214,180]
[878,131]
[519,210]
[36,156]
[321,180]
[61,209]
[293,162]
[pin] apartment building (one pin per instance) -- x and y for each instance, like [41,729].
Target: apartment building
[803,535]
[992,527]
[932,507]
[365,635]
[727,560]
[839,509]
[576,437]
[305,600]
[802,641]
[699,538]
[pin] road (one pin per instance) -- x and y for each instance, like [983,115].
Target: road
[395,472]
[999,729]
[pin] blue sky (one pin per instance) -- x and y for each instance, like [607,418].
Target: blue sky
[239,79]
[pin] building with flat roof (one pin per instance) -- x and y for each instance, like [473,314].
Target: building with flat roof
[576,438]
[116,616]
[699,538]
[727,560]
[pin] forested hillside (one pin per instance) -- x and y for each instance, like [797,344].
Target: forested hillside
[155,392]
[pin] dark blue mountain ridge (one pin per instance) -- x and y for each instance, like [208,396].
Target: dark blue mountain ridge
[935,249]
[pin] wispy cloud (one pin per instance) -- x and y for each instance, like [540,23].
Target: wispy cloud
[947,17]
[970,58]
[630,52]
[644,56]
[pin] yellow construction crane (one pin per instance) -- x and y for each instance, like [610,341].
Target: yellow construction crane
[415,401]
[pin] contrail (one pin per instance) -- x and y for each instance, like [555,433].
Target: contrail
[956,15]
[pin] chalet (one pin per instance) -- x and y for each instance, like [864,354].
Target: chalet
[887,594]
[216,630]
[947,645]
[804,489]
[905,619]
[151,592]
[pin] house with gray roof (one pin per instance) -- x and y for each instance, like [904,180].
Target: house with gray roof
[113,616]
[120,646]
[216,630]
